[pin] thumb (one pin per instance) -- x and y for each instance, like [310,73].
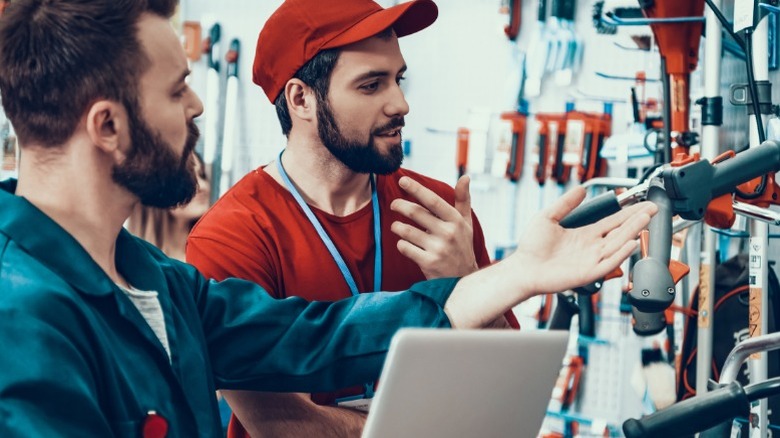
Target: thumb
[463,197]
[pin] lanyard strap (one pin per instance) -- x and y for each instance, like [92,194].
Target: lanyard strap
[327,240]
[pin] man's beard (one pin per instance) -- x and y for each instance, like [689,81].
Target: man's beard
[357,156]
[152,171]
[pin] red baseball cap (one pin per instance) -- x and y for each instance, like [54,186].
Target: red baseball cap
[300,29]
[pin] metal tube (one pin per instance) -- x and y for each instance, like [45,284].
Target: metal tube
[610,182]
[760,214]
[743,350]
[759,240]
[758,308]
[710,148]
[681,224]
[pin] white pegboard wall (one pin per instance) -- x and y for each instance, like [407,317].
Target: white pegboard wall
[606,395]
[259,136]
[734,131]
[9,150]
[606,382]
[461,64]
[601,55]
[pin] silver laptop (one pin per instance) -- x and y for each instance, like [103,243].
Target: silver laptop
[466,383]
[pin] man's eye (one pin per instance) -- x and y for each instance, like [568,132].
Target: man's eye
[370,86]
[400,79]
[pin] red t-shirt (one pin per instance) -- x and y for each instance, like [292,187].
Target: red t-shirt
[257,231]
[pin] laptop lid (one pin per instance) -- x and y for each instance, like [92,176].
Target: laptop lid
[466,383]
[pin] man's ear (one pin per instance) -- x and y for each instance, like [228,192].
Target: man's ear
[301,101]
[107,126]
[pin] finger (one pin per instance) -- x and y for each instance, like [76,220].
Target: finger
[565,204]
[412,234]
[463,197]
[613,221]
[429,199]
[414,253]
[614,260]
[626,232]
[417,214]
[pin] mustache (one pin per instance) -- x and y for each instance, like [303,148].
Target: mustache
[193,135]
[395,122]
[189,146]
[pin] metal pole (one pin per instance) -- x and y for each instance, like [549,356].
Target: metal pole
[710,149]
[759,240]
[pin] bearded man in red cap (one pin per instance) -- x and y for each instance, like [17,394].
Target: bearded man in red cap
[335,208]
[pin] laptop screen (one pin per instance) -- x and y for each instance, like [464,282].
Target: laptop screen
[480,383]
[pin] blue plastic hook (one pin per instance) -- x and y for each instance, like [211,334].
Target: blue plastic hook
[769,8]
[622,78]
[614,20]
[733,48]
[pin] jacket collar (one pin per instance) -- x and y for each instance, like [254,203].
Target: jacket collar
[49,243]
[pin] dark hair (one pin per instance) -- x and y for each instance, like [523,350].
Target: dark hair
[316,74]
[59,56]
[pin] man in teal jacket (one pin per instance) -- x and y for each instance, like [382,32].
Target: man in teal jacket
[102,335]
[79,359]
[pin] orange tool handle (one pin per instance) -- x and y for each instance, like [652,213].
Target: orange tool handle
[462,156]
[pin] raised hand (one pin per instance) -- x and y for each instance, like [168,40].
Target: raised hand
[567,258]
[442,242]
[549,259]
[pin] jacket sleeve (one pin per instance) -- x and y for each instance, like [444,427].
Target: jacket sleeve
[260,343]
[46,385]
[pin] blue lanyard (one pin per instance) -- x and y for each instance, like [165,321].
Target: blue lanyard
[327,240]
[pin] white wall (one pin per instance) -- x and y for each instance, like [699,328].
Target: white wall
[459,68]
[462,70]
[259,130]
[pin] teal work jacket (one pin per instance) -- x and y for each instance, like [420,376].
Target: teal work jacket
[78,359]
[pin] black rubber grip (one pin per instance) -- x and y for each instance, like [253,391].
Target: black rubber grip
[542,11]
[648,323]
[563,313]
[587,317]
[745,166]
[592,211]
[692,415]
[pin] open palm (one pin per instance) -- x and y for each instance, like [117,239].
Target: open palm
[566,258]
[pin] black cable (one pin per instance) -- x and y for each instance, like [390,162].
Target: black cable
[649,171]
[635,106]
[667,114]
[747,46]
[755,101]
[753,86]
[726,25]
